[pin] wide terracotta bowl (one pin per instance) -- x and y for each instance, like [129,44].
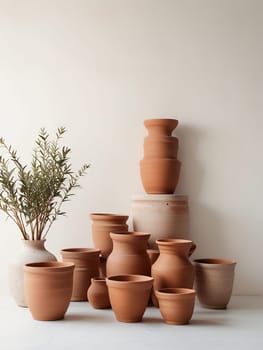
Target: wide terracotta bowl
[129,296]
[176,304]
[48,289]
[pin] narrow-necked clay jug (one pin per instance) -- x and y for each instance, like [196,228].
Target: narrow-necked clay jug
[173,268]
[129,254]
[98,295]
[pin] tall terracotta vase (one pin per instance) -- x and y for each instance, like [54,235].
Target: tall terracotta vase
[102,225]
[31,251]
[48,288]
[159,167]
[86,261]
[129,254]
[163,216]
[173,269]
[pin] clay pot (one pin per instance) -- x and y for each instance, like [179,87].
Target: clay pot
[161,147]
[98,295]
[102,225]
[86,261]
[31,251]
[129,255]
[129,295]
[48,289]
[176,304]
[153,255]
[173,269]
[160,127]
[160,175]
[163,216]
[214,282]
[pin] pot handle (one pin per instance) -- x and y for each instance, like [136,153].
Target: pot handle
[192,249]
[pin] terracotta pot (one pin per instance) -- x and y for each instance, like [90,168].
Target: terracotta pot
[129,295]
[31,251]
[160,175]
[153,255]
[102,225]
[160,127]
[86,261]
[176,304]
[98,295]
[48,289]
[163,216]
[161,147]
[129,255]
[214,282]
[173,269]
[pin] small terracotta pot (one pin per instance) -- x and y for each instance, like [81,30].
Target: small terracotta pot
[102,225]
[214,282]
[160,175]
[129,296]
[129,255]
[98,295]
[86,261]
[160,127]
[161,147]
[48,289]
[176,304]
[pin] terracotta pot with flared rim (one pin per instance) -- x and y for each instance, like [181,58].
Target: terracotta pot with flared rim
[214,282]
[129,254]
[160,127]
[102,225]
[161,147]
[86,261]
[98,295]
[31,251]
[48,289]
[173,268]
[162,215]
[176,304]
[129,295]
[159,175]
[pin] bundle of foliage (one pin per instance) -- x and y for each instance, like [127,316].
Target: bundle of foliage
[32,195]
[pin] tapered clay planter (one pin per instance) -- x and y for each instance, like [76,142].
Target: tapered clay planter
[129,295]
[163,216]
[161,147]
[98,294]
[173,268]
[214,282]
[48,289]
[160,127]
[102,225]
[129,255]
[87,263]
[160,175]
[176,304]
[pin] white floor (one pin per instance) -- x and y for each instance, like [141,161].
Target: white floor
[239,327]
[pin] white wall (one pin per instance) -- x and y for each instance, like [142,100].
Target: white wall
[101,67]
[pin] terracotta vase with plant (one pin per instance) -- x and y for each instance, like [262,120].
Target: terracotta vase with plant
[32,196]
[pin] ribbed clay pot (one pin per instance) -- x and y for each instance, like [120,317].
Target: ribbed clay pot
[163,216]
[129,255]
[48,289]
[160,175]
[173,268]
[161,147]
[98,294]
[214,282]
[86,261]
[31,251]
[129,295]
[160,127]
[102,225]
[176,304]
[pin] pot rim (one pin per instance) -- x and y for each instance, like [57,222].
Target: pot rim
[175,291]
[129,234]
[215,261]
[98,279]
[158,121]
[108,215]
[127,279]
[167,241]
[83,251]
[51,266]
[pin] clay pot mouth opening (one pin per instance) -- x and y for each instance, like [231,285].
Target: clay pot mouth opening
[127,279]
[160,121]
[129,233]
[98,279]
[108,215]
[175,291]
[80,250]
[50,265]
[215,261]
[167,241]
